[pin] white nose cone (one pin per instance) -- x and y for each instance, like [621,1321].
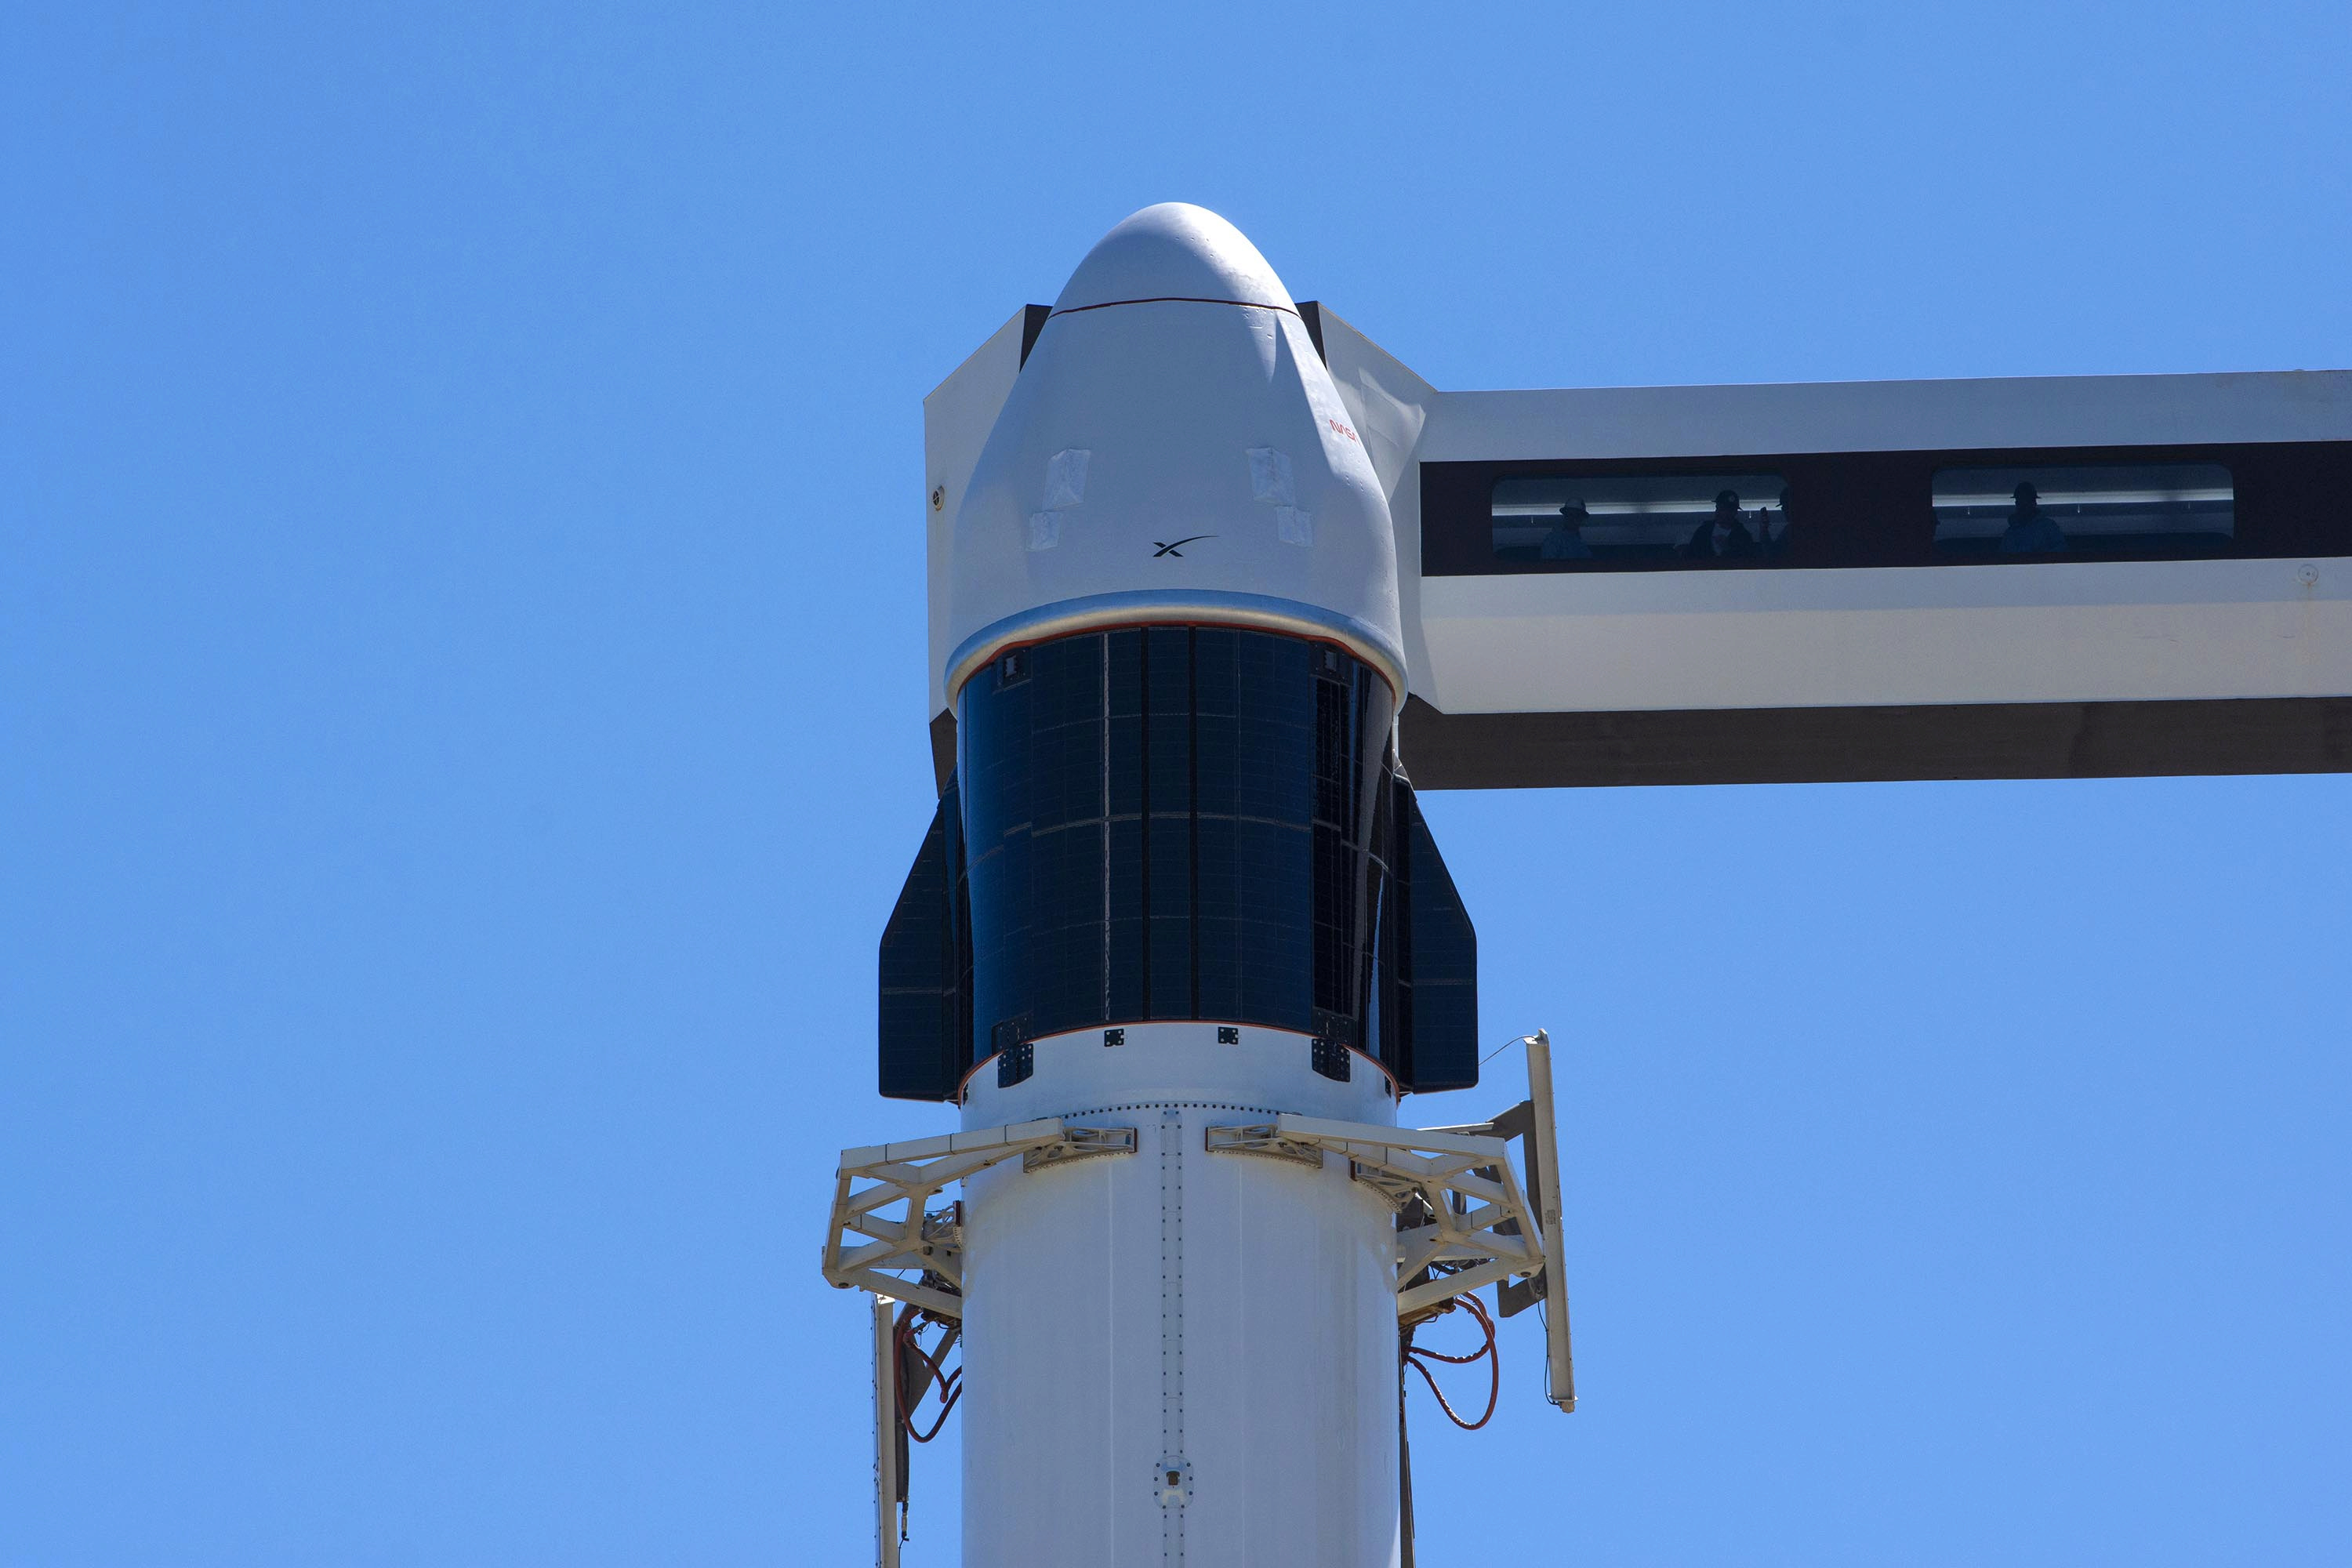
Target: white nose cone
[1173,451]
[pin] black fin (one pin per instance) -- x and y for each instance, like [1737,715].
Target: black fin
[926,1036]
[1437,963]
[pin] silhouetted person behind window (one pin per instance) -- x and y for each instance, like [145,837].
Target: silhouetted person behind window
[1565,540]
[1723,535]
[2032,531]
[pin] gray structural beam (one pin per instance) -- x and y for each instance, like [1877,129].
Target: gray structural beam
[1850,745]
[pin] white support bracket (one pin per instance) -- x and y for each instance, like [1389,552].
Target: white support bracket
[1476,1227]
[1465,1220]
[930,1243]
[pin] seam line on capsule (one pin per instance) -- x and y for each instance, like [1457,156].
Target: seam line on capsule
[1173,300]
[1207,607]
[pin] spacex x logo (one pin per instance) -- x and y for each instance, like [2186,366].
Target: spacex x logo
[1177,548]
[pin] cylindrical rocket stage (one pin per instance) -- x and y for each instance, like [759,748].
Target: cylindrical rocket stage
[1226,1320]
[1185,1354]
[1178,881]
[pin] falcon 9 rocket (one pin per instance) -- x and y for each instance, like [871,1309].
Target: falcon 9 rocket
[1177,880]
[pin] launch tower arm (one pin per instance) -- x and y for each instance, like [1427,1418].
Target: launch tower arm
[2006,578]
[2177,597]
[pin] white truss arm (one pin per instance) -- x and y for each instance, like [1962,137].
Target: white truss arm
[927,1243]
[1478,1228]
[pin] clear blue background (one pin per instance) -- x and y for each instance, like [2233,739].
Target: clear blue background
[461,730]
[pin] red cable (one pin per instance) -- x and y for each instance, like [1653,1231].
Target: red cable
[1489,1352]
[944,1409]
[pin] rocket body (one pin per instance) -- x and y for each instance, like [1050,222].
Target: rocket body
[1177,880]
[1229,1319]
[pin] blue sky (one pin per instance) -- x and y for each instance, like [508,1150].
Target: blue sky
[461,729]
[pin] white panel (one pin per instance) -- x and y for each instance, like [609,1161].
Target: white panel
[1286,1399]
[1172,355]
[1890,416]
[1604,642]
[1282,1376]
[1390,407]
[1061,1373]
[1265,1069]
[956,417]
[1387,402]
[1290,1362]
[2056,632]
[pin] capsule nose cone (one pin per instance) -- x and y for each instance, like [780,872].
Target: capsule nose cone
[1173,251]
[1184,458]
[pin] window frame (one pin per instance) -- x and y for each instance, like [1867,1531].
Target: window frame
[1876,509]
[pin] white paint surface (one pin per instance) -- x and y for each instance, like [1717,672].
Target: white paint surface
[2056,632]
[1178,362]
[1251,1340]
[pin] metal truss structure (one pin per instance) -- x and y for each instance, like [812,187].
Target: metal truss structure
[1464,1219]
[929,1242]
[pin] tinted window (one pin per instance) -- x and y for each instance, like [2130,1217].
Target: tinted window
[1570,522]
[2240,501]
[2110,510]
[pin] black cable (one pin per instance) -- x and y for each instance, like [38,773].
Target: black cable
[930,1376]
[1489,1352]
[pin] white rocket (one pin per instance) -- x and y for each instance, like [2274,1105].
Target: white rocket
[1179,939]
[1174,456]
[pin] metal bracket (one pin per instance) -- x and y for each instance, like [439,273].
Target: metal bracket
[1264,1139]
[1475,1228]
[1463,1220]
[1080,1143]
[930,1243]
[1532,1123]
